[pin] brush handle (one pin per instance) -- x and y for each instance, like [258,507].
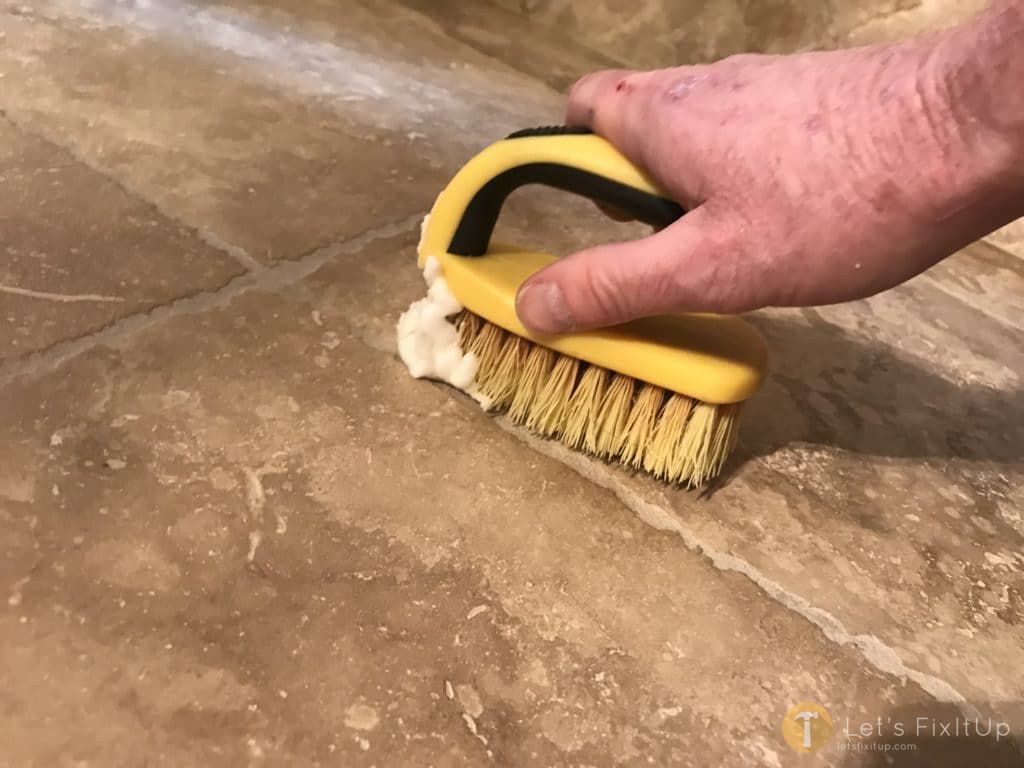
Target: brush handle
[571,159]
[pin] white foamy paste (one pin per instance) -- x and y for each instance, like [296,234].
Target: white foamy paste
[428,342]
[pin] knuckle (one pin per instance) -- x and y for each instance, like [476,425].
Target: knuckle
[682,83]
[607,296]
[576,89]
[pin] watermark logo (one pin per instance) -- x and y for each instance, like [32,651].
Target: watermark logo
[807,727]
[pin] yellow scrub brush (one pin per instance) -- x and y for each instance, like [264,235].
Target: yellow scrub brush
[661,394]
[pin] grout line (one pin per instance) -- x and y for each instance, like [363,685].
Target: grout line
[267,279]
[239,254]
[873,650]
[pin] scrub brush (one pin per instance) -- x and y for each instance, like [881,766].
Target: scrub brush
[661,394]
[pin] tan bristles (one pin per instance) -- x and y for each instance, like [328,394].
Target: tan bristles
[597,415]
[469,328]
[589,408]
[584,406]
[487,345]
[505,382]
[535,372]
[550,409]
[710,439]
[640,425]
[664,450]
[727,431]
[615,410]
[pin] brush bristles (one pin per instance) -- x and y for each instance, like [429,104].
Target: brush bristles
[536,370]
[589,408]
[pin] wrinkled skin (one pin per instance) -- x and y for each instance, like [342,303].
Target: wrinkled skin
[809,179]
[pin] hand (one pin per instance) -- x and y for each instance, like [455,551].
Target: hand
[810,179]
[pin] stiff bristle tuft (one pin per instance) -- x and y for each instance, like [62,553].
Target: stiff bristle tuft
[487,345]
[536,371]
[589,408]
[550,409]
[505,381]
[665,449]
[584,406]
[469,326]
[640,426]
[615,410]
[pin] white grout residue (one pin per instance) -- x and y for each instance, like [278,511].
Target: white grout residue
[343,68]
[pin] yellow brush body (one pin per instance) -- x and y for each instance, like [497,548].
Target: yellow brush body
[661,394]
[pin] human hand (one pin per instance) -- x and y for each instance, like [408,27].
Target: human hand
[810,179]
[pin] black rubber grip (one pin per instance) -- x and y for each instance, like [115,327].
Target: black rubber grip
[473,234]
[550,130]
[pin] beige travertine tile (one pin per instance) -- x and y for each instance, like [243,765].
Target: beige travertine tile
[79,252]
[1011,238]
[255,534]
[880,468]
[544,53]
[278,142]
[657,33]
[239,532]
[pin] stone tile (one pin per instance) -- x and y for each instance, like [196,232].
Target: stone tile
[275,142]
[881,468]
[243,533]
[986,278]
[545,54]
[879,474]
[882,482]
[659,33]
[1011,238]
[79,252]
[922,16]
[885,450]
[878,480]
[248,532]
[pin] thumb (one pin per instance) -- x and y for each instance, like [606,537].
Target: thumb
[691,266]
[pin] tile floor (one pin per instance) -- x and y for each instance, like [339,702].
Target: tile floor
[236,532]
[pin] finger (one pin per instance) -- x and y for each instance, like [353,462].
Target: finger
[630,110]
[613,103]
[587,91]
[695,265]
